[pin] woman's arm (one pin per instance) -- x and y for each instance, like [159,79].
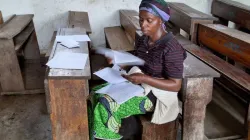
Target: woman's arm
[170,84]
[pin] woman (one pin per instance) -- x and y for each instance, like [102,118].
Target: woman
[163,70]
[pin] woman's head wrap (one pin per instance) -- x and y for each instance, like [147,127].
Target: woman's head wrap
[156,7]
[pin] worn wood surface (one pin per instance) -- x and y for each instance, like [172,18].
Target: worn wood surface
[152,131]
[51,44]
[194,68]
[1,18]
[232,11]
[220,65]
[229,42]
[183,15]
[196,94]
[79,19]
[117,39]
[20,39]
[63,73]
[33,76]
[68,109]
[15,26]
[31,49]
[11,78]
[130,21]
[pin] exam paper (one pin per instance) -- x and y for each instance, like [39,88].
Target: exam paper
[110,75]
[68,60]
[78,38]
[122,92]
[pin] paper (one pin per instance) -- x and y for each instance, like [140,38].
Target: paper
[120,57]
[125,58]
[110,75]
[69,43]
[122,92]
[68,60]
[78,38]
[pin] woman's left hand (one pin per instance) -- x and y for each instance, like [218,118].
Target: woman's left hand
[136,78]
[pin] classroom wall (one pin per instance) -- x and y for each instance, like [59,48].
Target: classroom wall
[53,14]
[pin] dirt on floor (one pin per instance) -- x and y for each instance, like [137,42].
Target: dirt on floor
[24,117]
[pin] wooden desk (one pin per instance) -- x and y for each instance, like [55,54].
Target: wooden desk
[228,10]
[20,68]
[187,18]
[68,91]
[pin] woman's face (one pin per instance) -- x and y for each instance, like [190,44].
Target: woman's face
[149,23]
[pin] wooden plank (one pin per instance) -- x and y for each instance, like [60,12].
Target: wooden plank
[23,36]
[229,42]
[63,73]
[51,44]
[235,74]
[1,18]
[31,49]
[194,68]
[15,26]
[130,21]
[79,19]
[182,15]
[189,11]
[232,11]
[33,75]
[69,117]
[152,131]
[117,40]
[11,79]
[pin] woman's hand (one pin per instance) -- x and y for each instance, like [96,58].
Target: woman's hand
[136,78]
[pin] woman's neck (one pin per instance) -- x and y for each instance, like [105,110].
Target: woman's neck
[156,37]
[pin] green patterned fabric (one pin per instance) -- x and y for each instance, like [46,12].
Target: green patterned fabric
[106,114]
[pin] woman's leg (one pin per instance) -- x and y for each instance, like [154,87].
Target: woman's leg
[108,114]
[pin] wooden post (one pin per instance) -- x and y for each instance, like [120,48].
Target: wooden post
[197,94]
[1,18]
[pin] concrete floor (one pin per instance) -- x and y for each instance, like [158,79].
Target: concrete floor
[24,117]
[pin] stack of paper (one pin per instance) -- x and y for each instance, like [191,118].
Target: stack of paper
[68,60]
[119,88]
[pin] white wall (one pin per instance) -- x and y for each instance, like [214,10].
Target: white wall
[53,14]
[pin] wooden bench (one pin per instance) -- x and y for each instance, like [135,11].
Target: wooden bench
[79,19]
[186,18]
[116,39]
[228,10]
[68,92]
[233,44]
[20,66]
[129,21]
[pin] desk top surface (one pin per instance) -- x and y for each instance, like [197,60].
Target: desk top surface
[67,73]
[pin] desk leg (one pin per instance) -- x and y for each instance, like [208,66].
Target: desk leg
[69,117]
[197,93]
